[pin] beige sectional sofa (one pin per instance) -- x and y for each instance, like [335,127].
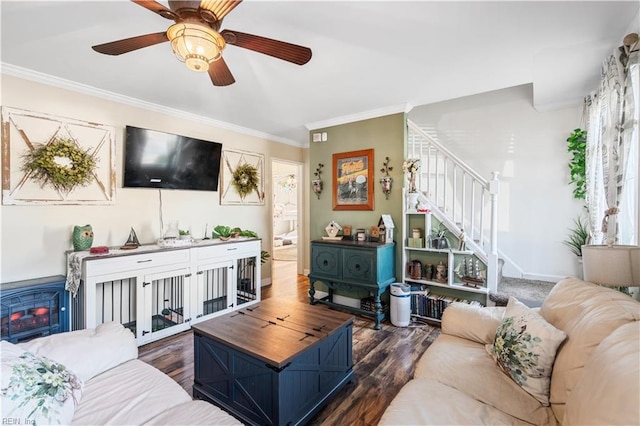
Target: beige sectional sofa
[99,369]
[595,377]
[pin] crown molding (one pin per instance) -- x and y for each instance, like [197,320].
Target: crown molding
[366,115]
[50,80]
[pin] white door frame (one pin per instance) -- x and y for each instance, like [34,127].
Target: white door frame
[299,210]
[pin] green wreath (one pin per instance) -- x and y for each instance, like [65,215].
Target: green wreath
[245,179]
[46,164]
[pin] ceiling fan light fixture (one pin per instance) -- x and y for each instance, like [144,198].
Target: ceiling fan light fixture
[195,44]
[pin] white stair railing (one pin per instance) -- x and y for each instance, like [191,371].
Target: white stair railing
[466,200]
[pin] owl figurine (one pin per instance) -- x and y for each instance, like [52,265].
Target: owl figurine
[82,237]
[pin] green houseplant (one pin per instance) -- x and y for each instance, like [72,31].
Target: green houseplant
[577,147]
[578,236]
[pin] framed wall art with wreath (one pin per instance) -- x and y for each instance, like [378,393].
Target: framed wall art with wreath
[242,178]
[55,160]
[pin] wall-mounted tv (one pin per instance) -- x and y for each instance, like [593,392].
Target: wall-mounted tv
[155,159]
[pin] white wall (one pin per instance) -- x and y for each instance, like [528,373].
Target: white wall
[501,131]
[34,238]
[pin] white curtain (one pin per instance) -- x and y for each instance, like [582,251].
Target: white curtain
[612,153]
[629,197]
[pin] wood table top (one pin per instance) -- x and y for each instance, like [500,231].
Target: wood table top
[275,331]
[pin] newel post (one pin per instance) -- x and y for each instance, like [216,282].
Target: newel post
[492,267]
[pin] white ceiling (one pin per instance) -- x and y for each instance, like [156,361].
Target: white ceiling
[368,56]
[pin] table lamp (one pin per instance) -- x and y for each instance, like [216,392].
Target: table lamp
[611,265]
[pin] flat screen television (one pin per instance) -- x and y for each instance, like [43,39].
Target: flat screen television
[155,159]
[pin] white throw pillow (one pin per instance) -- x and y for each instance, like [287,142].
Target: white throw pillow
[88,352]
[525,347]
[36,389]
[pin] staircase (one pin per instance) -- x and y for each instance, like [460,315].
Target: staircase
[459,198]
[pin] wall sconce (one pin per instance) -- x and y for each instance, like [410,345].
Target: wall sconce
[386,181]
[316,184]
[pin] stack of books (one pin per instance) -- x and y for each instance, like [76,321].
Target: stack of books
[432,305]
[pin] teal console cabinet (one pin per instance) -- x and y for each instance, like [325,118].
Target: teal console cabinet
[352,265]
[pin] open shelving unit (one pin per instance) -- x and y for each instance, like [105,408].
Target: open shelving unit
[438,293]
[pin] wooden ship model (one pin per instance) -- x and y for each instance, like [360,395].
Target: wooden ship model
[469,272]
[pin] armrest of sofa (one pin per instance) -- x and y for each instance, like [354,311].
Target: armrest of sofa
[470,322]
[87,352]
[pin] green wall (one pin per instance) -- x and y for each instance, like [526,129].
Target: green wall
[386,136]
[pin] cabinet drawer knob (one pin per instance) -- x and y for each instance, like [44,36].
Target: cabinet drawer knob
[325,263]
[357,266]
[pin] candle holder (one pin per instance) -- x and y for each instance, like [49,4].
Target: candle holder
[316,184]
[386,181]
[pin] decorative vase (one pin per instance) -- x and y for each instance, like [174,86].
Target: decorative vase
[412,200]
[443,243]
[82,237]
[172,230]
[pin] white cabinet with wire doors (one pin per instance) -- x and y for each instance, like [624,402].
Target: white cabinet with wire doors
[158,292]
[228,276]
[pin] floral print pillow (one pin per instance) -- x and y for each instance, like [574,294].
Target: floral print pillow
[525,347]
[36,390]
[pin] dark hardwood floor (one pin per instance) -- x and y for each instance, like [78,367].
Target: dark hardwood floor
[384,360]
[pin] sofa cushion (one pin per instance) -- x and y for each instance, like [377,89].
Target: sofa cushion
[525,347]
[194,413]
[88,352]
[427,402]
[131,393]
[472,322]
[466,366]
[588,313]
[36,389]
[608,391]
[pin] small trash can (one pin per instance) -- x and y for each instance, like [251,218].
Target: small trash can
[400,304]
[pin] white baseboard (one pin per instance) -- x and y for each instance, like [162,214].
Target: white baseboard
[542,277]
[265,281]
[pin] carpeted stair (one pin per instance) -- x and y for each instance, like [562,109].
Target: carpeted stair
[530,292]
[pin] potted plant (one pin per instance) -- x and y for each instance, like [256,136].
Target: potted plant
[578,236]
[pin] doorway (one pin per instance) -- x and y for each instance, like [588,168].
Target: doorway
[286,214]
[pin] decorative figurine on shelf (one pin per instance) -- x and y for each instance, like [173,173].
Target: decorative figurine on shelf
[132,241]
[441,272]
[462,241]
[332,231]
[82,237]
[468,271]
[386,181]
[411,167]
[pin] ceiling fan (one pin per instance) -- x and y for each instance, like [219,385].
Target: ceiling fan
[196,40]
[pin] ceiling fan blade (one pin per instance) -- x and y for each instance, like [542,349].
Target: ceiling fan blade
[129,44]
[299,55]
[182,4]
[156,7]
[220,8]
[220,74]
